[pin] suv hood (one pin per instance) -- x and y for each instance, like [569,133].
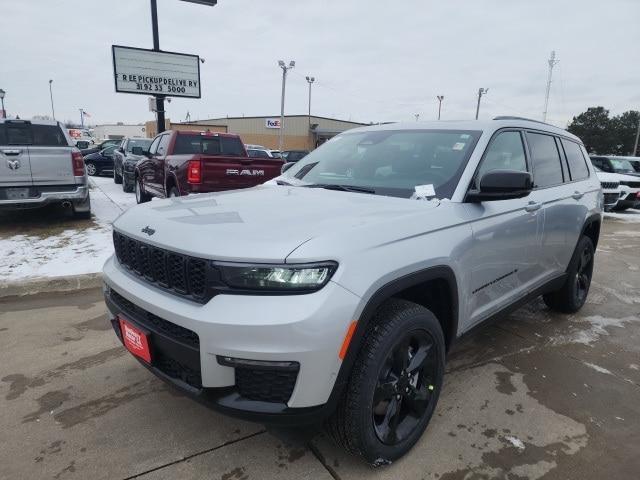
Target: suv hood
[260,224]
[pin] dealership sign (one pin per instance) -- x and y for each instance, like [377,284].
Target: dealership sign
[137,70]
[272,123]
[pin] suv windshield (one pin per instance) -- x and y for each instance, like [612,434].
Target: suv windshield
[390,162]
[621,166]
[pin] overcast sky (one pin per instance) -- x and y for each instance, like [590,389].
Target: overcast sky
[374,60]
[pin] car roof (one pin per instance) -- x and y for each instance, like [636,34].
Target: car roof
[28,120]
[470,125]
[213,134]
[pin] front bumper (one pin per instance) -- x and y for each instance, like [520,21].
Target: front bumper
[306,329]
[46,195]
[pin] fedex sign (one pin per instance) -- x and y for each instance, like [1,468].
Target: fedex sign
[272,123]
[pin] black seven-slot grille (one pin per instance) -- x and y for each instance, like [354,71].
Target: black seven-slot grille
[609,184]
[181,274]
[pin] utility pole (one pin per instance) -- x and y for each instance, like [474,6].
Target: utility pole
[552,63]
[481,91]
[53,112]
[635,145]
[81,117]
[417,115]
[310,81]
[285,68]
[2,93]
[440,98]
[156,47]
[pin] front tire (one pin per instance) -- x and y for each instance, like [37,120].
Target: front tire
[573,294]
[141,195]
[394,386]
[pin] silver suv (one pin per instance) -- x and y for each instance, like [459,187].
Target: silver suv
[40,166]
[333,293]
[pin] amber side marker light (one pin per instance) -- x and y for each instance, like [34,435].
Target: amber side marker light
[347,340]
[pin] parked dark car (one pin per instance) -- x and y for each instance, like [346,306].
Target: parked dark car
[101,146]
[294,155]
[124,161]
[614,164]
[100,162]
[179,163]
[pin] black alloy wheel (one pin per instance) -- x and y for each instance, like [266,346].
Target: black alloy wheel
[405,387]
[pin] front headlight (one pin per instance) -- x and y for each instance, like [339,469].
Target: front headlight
[304,277]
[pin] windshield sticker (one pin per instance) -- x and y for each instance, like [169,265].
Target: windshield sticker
[458,146]
[425,191]
[464,136]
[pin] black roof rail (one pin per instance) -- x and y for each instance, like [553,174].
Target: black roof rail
[508,117]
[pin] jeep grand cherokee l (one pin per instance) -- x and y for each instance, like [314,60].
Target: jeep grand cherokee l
[334,294]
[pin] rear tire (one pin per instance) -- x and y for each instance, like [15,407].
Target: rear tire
[394,385]
[92,170]
[127,185]
[573,294]
[85,213]
[141,195]
[117,179]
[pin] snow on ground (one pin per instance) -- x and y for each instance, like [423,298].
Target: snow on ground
[56,247]
[630,215]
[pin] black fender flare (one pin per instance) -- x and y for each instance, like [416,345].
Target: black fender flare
[385,292]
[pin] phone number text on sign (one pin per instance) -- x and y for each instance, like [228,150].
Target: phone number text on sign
[162,73]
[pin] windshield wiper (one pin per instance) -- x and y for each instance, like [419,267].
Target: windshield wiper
[283,183]
[344,188]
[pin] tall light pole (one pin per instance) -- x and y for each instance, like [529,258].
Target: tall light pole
[552,63]
[417,115]
[285,68]
[310,81]
[635,145]
[481,91]
[53,112]
[2,93]
[440,98]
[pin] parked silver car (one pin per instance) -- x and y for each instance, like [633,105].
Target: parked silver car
[335,291]
[39,165]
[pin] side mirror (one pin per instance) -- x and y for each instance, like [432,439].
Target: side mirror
[286,166]
[502,185]
[137,150]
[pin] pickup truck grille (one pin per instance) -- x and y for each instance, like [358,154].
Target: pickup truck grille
[609,185]
[180,274]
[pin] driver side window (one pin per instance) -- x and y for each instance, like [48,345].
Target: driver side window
[506,152]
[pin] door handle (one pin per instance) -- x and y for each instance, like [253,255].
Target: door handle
[577,195]
[11,152]
[533,206]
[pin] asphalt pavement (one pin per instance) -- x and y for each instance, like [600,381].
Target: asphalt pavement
[536,395]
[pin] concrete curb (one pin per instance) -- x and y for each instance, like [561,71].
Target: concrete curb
[50,284]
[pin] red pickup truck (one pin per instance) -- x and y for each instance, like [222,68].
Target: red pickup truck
[182,162]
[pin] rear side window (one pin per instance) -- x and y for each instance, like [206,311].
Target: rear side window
[48,136]
[207,145]
[15,134]
[506,152]
[577,164]
[547,170]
